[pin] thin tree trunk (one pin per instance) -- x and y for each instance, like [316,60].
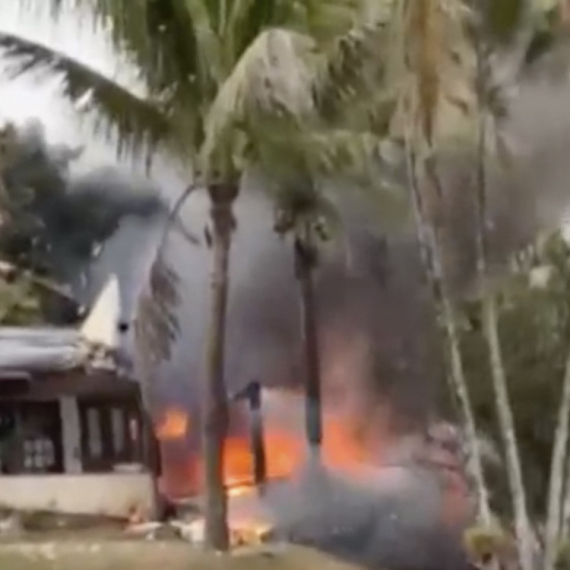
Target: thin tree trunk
[305,261]
[433,267]
[508,433]
[556,487]
[565,530]
[215,404]
[491,333]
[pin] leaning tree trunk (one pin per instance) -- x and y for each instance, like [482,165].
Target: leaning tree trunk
[305,262]
[557,468]
[565,529]
[215,404]
[433,266]
[491,334]
[508,433]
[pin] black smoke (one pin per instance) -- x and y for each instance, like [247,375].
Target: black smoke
[60,222]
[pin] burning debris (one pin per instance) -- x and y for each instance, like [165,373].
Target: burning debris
[345,447]
[380,498]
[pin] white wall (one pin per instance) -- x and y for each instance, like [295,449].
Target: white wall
[112,494]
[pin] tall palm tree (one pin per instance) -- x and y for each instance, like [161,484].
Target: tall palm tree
[219,76]
[443,65]
[430,68]
[300,212]
[490,35]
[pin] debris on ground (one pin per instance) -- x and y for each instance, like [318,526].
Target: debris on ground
[11,527]
[193,531]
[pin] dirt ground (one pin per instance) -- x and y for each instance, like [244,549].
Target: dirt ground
[125,555]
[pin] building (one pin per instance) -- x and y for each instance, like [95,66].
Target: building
[73,435]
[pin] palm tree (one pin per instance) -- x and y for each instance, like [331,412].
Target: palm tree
[300,211]
[431,61]
[437,68]
[487,39]
[218,78]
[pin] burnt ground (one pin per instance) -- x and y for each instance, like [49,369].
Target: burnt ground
[128,555]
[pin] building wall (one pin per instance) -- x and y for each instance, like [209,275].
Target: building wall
[108,494]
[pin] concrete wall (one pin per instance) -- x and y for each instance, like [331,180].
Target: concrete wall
[112,494]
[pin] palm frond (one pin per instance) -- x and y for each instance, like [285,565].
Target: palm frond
[431,67]
[352,67]
[156,325]
[318,151]
[139,123]
[270,81]
[336,161]
[208,42]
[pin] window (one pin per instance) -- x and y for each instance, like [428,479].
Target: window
[95,439]
[111,434]
[118,420]
[39,454]
[30,441]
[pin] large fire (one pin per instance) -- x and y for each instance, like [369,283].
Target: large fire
[343,448]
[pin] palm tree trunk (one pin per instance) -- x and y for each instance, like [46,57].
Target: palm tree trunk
[215,404]
[491,333]
[508,433]
[433,267]
[305,261]
[257,439]
[557,467]
[565,530]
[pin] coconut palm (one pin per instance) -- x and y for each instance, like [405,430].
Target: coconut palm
[218,78]
[430,68]
[299,213]
[432,73]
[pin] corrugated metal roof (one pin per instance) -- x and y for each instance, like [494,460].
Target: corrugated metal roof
[49,350]
[94,346]
[41,349]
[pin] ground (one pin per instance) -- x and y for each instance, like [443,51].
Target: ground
[134,555]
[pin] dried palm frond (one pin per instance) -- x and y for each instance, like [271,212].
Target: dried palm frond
[156,324]
[432,67]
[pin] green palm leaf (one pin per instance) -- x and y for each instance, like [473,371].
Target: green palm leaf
[139,123]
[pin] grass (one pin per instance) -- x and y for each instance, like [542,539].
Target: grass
[128,555]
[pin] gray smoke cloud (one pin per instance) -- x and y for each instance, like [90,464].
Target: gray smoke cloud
[392,520]
[378,336]
[375,303]
[528,190]
[372,314]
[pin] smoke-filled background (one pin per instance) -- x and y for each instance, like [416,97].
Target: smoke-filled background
[380,346]
[377,324]
[372,296]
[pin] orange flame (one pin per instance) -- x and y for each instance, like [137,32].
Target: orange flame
[343,450]
[285,452]
[174,425]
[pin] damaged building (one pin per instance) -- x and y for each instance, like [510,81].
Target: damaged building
[73,436]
